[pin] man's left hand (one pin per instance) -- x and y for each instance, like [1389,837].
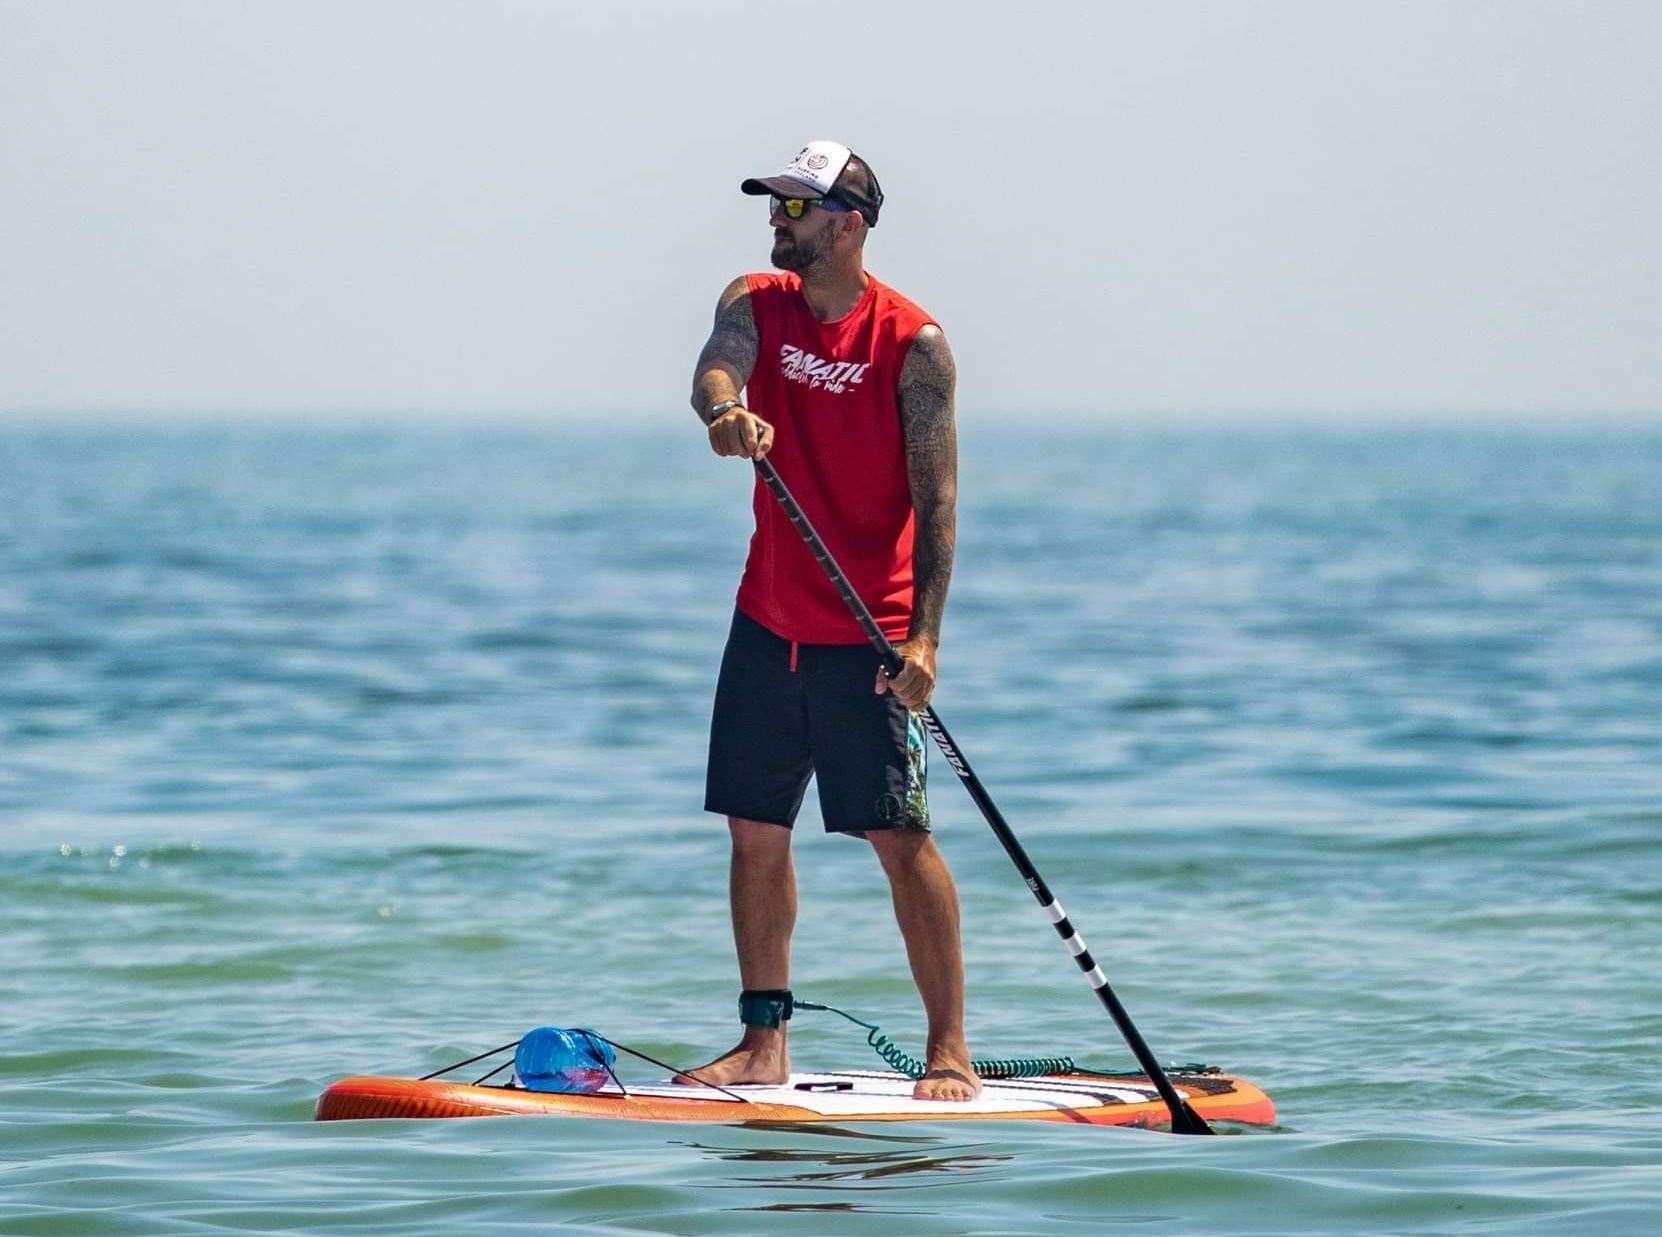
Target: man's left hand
[916,682]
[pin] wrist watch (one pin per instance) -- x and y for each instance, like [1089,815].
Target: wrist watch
[719,409]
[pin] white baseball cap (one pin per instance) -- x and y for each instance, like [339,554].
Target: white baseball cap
[824,169]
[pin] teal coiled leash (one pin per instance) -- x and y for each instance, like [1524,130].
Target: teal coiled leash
[987,1067]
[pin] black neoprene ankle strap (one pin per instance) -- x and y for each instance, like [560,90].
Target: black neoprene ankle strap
[765,1007]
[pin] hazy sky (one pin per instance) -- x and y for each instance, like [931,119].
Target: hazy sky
[1352,208]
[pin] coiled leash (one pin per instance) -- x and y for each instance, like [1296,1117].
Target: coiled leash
[772,1007]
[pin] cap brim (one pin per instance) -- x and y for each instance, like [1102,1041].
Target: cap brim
[783,186]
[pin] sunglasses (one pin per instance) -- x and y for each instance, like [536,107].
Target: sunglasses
[795,208]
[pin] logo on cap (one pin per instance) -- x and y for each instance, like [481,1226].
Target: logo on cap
[816,162]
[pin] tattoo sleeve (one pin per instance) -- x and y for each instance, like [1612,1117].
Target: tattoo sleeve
[928,379]
[729,354]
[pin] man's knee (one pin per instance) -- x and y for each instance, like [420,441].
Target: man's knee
[901,850]
[758,838]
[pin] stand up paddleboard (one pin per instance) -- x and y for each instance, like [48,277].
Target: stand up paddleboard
[845,1096]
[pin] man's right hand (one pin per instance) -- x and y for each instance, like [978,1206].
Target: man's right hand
[740,432]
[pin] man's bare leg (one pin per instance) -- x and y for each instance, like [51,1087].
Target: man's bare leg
[762,890]
[926,907]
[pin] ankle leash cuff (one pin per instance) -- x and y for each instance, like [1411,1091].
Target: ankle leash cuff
[765,1007]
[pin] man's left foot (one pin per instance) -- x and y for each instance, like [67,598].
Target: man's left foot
[949,1078]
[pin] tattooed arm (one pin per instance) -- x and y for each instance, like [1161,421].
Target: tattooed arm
[723,368]
[928,379]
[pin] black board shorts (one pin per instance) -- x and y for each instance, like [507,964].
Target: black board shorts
[786,712]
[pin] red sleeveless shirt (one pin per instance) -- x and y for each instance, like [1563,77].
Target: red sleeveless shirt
[831,392]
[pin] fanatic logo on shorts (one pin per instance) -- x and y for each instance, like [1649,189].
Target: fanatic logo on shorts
[819,375]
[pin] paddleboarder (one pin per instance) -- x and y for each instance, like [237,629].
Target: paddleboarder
[847,387]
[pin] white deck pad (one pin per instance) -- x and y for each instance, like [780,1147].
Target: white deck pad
[871,1092]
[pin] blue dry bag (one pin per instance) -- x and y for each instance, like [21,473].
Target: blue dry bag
[575,1060]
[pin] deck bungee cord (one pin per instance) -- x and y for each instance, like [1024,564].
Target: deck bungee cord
[512,1045]
[1184,1120]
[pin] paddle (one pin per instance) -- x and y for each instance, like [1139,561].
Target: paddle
[1184,1120]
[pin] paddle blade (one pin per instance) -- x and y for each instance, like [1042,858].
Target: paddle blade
[1186,1120]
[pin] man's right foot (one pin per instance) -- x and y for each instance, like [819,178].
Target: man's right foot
[765,1062]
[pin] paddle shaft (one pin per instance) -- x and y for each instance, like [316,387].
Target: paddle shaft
[1184,1120]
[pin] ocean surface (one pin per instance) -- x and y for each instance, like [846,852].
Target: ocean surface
[363,748]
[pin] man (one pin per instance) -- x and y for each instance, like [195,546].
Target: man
[850,394]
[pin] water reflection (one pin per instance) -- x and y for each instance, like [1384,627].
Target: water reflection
[866,1169]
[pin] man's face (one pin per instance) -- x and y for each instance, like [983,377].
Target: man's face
[799,243]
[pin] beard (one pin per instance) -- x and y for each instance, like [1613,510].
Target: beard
[791,254]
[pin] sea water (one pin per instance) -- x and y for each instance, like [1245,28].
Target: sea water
[348,748]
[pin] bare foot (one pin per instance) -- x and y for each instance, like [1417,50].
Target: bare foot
[949,1078]
[761,1057]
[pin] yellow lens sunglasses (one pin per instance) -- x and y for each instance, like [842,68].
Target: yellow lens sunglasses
[795,208]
